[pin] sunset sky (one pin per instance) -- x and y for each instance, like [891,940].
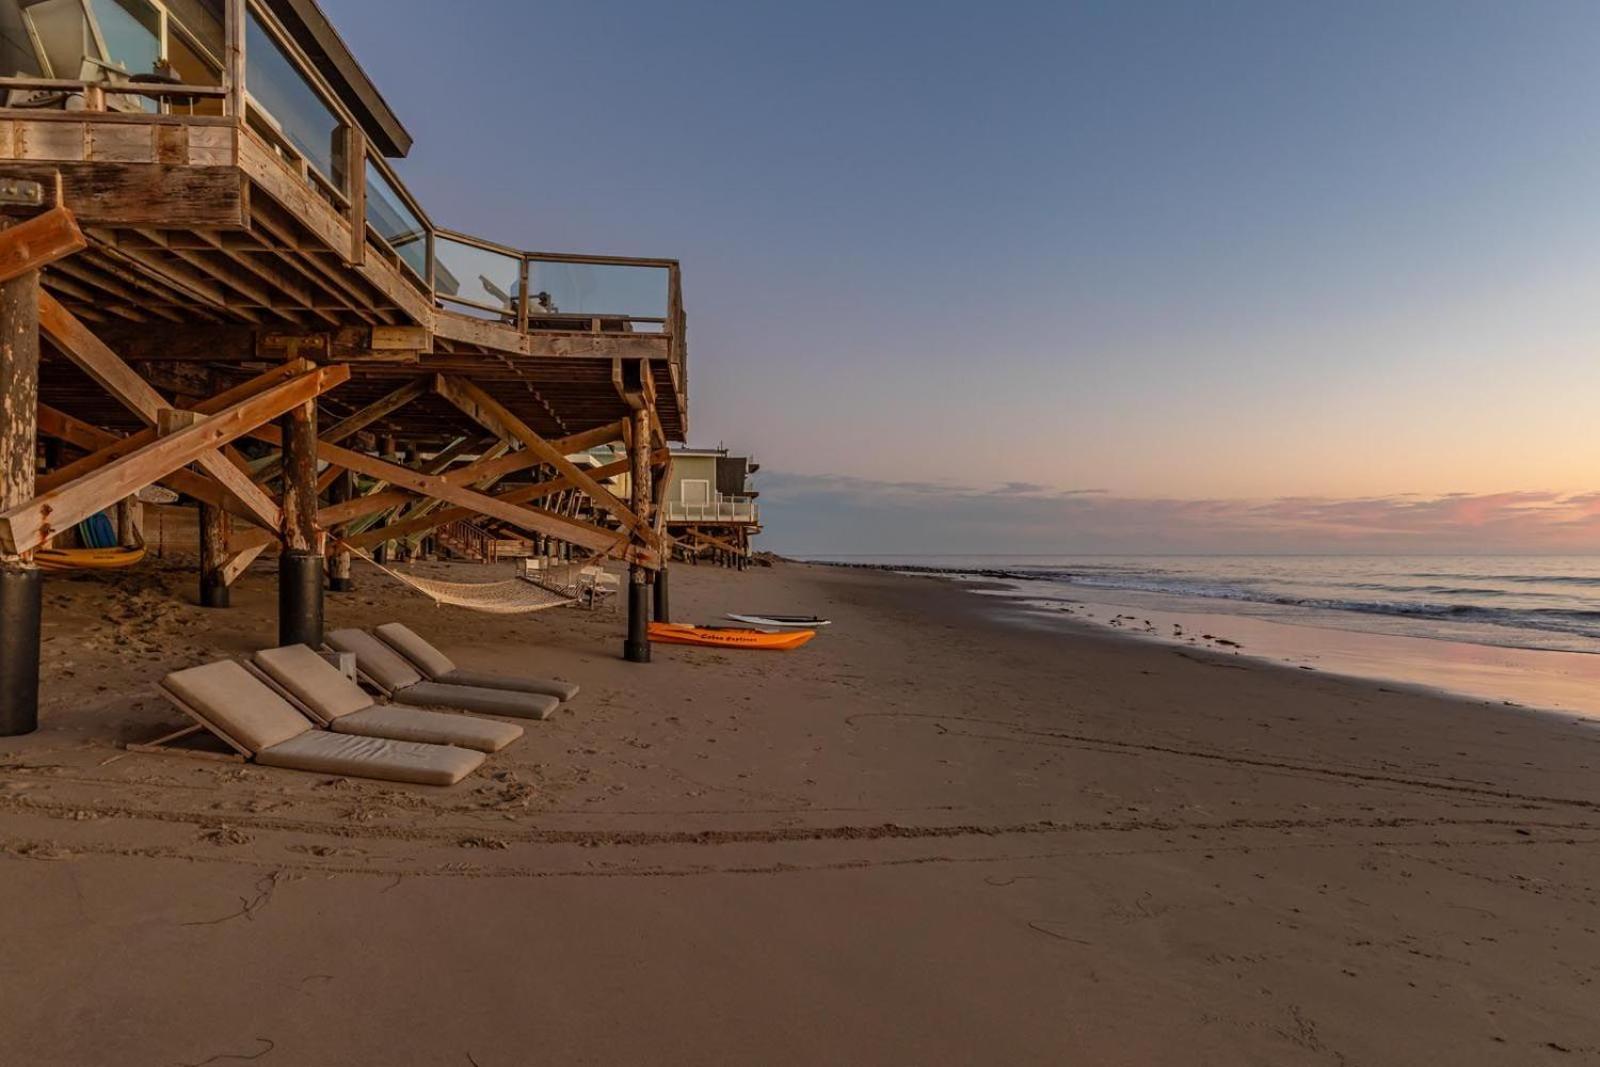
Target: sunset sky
[1033,277]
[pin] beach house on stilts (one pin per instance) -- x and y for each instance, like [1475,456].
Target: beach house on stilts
[710,506]
[212,280]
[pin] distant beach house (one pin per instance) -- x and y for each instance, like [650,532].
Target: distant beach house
[709,502]
[709,485]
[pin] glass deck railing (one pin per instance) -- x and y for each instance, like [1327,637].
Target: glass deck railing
[142,56]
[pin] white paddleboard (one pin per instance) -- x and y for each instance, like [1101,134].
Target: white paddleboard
[782,622]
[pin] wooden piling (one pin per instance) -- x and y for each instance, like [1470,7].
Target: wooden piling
[214,525]
[339,579]
[20,581]
[637,648]
[300,567]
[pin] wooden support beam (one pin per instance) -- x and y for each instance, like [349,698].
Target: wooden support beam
[121,446]
[600,435]
[31,524]
[487,411]
[352,425]
[486,470]
[40,240]
[238,561]
[381,408]
[522,494]
[439,488]
[62,427]
[79,344]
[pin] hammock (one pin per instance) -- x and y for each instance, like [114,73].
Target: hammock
[88,559]
[511,597]
[100,551]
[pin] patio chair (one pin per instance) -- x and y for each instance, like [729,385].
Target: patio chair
[440,668]
[320,690]
[391,674]
[240,709]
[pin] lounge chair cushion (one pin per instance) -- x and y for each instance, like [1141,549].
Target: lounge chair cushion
[313,681]
[429,727]
[440,668]
[324,752]
[487,680]
[472,698]
[238,703]
[377,660]
[405,641]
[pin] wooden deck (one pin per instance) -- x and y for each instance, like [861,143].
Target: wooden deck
[210,249]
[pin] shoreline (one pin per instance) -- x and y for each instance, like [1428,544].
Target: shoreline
[1558,682]
[1096,849]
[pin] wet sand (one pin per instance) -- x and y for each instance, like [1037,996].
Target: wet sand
[1547,679]
[931,836]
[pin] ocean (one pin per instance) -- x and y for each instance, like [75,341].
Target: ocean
[1532,602]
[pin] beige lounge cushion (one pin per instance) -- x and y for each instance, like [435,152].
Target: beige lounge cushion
[484,701]
[313,680]
[440,668]
[238,703]
[325,752]
[405,641]
[377,660]
[429,727]
[486,680]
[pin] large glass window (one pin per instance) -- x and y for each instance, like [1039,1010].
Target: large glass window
[101,40]
[389,216]
[192,66]
[131,33]
[477,275]
[282,97]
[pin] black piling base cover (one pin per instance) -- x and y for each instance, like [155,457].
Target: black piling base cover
[213,592]
[342,585]
[300,599]
[637,648]
[21,598]
[663,603]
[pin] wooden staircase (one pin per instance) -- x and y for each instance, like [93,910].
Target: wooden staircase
[465,540]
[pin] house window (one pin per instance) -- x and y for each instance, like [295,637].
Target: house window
[696,491]
[111,40]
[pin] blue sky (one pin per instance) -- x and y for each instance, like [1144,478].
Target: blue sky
[1172,252]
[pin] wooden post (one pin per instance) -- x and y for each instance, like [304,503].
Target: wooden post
[126,534]
[300,567]
[20,582]
[637,647]
[339,580]
[355,150]
[233,72]
[213,556]
[391,453]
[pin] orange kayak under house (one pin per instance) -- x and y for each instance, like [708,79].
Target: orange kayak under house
[677,633]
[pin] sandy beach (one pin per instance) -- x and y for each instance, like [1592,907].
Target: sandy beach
[931,836]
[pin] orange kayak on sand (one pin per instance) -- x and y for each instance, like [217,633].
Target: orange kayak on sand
[678,633]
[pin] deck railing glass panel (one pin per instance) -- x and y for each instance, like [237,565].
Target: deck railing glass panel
[282,97]
[603,290]
[476,278]
[395,222]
